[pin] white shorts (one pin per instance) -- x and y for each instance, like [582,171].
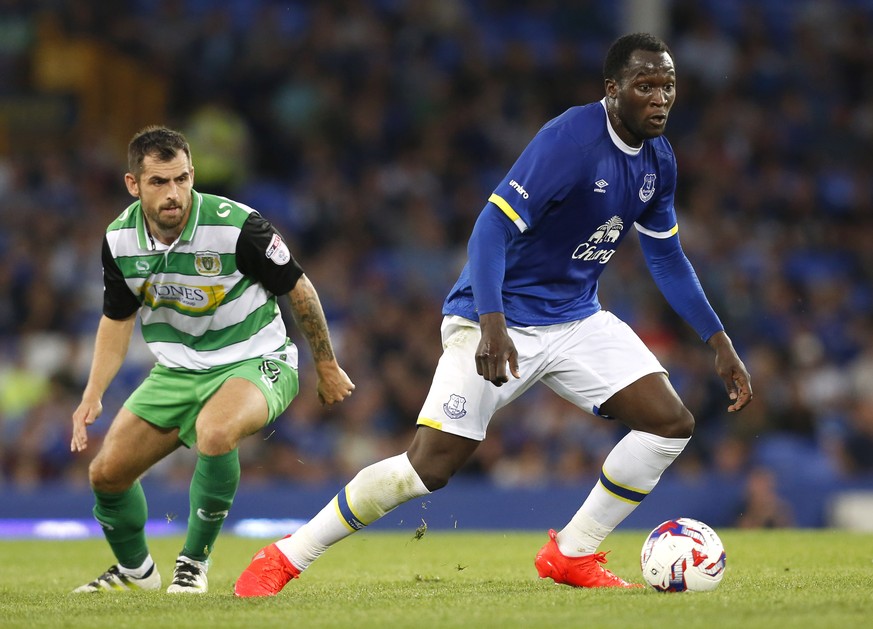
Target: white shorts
[585,362]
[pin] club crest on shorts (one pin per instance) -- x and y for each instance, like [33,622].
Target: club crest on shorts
[454,408]
[648,189]
[207,263]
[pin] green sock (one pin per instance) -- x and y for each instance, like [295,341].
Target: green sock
[213,487]
[123,517]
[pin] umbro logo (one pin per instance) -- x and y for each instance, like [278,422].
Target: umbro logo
[601,186]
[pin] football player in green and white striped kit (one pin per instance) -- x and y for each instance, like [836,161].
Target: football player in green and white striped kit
[204,273]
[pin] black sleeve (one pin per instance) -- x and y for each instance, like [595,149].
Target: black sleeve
[118,300]
[261,253]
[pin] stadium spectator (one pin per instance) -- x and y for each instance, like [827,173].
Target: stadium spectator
[763,507]
[854,445]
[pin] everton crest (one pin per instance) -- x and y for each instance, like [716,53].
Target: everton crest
[648,189]
[454,408]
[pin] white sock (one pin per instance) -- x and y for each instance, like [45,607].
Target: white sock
[629,473]
[375,491]
[140,571]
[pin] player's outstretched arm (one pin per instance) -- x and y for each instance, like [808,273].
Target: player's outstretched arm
[334,385]
[110,348]
[732,371]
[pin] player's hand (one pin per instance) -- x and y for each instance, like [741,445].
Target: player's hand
[732,371]
[496,350]
[739,388]
[84,416]
[334,385]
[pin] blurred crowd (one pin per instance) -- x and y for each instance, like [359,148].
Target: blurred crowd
[371,134]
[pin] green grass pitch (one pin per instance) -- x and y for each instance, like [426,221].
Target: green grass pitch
[786,578]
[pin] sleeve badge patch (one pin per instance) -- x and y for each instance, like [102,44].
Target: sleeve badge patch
[277,251]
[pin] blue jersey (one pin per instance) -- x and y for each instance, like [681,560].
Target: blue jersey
[573,194]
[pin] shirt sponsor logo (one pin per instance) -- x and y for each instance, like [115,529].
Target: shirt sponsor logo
[608,233]
[183,296]
[277,251]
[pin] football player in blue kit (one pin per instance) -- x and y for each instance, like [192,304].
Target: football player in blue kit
[525,310]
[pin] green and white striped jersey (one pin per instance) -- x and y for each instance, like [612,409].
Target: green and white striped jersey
[208,299]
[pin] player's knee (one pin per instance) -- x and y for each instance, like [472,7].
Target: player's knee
[681,426]
[436,456]
[104,479]
[434,480]
[432,475]
[215,440]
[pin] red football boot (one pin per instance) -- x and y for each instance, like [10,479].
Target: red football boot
[266,575]
[580,572]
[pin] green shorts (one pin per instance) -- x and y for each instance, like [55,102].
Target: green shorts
[173,398]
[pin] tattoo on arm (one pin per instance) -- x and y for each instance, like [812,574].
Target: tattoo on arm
[310,319]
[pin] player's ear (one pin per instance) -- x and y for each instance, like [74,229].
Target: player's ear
[132,185]
[611,88]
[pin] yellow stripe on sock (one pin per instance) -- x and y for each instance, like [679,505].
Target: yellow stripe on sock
[627,494]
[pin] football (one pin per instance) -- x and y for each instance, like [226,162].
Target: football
[683,555]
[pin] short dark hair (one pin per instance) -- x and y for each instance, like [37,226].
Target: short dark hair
[620,52]
[160,142]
